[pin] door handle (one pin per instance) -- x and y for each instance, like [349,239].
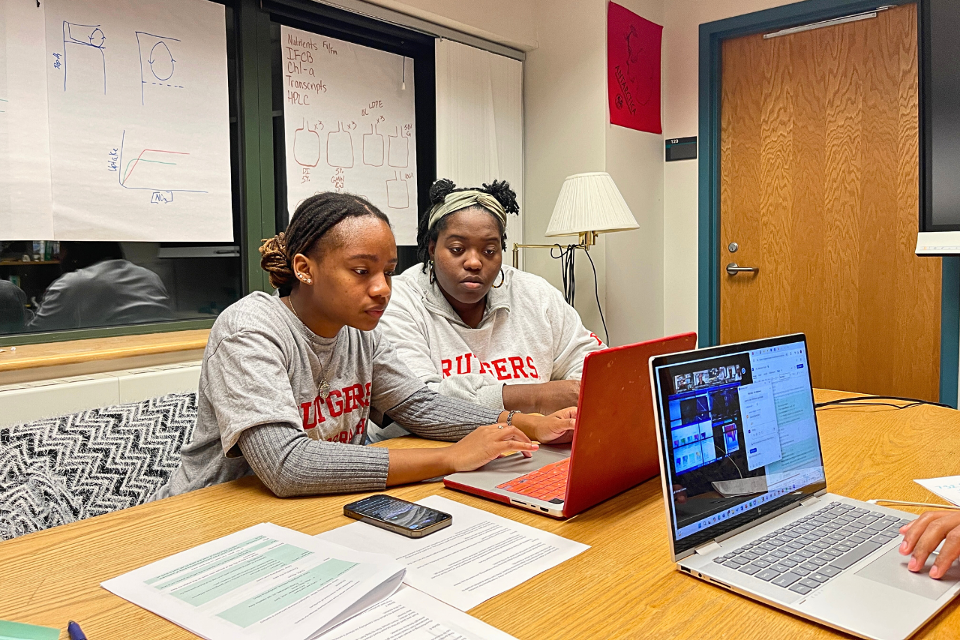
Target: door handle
[733,269]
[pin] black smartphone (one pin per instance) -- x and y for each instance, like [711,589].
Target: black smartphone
[393,514]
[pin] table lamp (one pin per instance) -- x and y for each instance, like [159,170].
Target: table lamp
[589,204]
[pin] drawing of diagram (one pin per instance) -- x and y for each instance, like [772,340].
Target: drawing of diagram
[398,197]
[84,62]
[340,148]
[159,171]
[306,146]
[373,148]
[399,153]
[158,64]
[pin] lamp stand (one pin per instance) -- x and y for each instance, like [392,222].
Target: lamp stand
[586,240]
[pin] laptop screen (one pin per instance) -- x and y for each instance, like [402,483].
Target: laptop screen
[738,435]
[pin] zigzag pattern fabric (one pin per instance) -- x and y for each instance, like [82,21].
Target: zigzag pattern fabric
[63,469]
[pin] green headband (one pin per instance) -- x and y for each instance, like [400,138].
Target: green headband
[461,200]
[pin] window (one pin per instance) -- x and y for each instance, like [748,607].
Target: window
[51,291]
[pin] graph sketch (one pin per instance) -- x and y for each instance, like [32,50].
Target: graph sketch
[158,64]
[153,170]
[84,61]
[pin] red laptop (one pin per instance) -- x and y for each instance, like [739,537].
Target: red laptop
[614,445]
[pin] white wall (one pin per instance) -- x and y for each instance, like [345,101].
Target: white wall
[682,19]
[634,259]
[567,132]
[508,22]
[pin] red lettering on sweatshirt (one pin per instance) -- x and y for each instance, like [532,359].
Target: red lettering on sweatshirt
[351,398]
[597,338]
[335,404]
[532,368]
[517,363]
[500,367]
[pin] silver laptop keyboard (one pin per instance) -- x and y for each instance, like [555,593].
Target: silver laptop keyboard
[815,549]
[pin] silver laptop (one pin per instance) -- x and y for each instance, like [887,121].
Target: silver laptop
[747,503]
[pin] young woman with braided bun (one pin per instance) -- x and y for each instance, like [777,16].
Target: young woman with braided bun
[289,381]
[471,327]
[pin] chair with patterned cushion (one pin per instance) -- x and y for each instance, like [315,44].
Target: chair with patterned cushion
[71,467]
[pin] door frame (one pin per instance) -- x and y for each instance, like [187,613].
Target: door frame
[712,35]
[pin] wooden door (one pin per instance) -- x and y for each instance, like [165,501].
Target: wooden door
[819,190]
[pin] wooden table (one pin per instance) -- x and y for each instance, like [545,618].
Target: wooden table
[623,587]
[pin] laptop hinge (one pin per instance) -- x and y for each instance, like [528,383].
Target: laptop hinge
[811,500]
[710,547]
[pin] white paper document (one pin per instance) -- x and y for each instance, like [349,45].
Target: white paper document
[412,615]
[265,582]
[947,488]
[476,558]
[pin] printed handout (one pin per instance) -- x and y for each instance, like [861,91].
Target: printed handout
[476,558]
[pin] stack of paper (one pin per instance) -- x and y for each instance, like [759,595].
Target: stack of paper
[265,582]
[268,582]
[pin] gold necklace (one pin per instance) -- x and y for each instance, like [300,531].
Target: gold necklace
[323,387]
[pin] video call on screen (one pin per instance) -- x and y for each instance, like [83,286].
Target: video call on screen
[739,431]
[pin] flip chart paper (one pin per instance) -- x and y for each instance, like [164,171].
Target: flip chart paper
[349,125]
[138,120]
[26,208]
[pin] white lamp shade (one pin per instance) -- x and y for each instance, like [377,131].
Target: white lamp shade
[590,202]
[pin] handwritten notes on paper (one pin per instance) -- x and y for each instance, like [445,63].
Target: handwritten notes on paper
[139,120]
[350,126]
[114,121]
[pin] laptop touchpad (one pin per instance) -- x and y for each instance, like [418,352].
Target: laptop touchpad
[891,569]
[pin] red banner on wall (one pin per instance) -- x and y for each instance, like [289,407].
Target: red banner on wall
[633,70]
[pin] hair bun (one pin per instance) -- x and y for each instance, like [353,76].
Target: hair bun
[274,260]
[440,190]
[507,197]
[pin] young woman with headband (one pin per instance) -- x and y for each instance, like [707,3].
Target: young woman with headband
[470,327]
[288,381]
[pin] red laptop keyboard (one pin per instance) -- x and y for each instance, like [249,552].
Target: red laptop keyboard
[546,483]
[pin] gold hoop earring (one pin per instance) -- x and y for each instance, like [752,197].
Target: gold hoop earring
[503,277]
[433,273]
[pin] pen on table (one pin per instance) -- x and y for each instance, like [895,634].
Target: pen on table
[75,632]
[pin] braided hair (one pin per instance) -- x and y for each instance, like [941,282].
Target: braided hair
[315,216]
[499,189]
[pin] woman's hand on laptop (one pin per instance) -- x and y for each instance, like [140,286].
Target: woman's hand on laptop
[922,536]
[487,443]
[555,428]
